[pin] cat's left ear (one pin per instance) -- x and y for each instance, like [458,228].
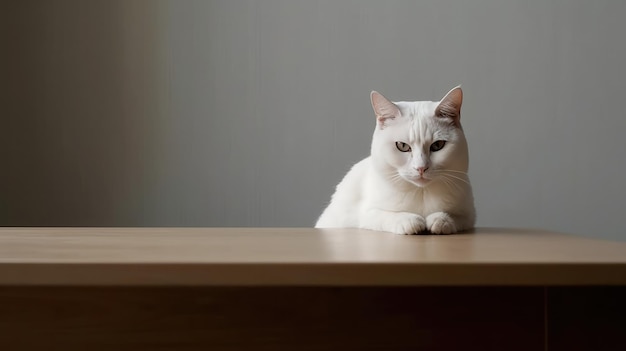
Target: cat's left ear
[450,106]
[384,109]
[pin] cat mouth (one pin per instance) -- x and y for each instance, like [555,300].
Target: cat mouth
[419,181]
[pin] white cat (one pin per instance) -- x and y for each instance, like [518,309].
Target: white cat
[416,176]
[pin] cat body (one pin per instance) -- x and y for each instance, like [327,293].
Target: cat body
[415,178]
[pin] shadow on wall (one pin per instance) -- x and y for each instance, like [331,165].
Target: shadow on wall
[77,144]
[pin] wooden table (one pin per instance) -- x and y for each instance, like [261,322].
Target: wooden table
[308,289]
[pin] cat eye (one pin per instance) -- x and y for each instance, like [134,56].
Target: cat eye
[404,147]
[437,145]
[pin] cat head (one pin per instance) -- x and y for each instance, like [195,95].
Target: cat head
[420,142]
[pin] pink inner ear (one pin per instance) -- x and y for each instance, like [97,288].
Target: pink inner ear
[450,105]
[383,108]
[381,120]
[447,111]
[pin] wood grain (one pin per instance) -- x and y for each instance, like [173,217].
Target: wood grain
[307,289]
[303,256]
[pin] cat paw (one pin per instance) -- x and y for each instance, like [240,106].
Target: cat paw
[440,223]
[407,223]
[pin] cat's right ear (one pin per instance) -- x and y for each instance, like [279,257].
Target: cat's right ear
[384,109]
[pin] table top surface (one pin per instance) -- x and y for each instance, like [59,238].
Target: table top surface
[304,256]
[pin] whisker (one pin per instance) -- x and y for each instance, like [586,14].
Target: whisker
[455,177]
[448,171]
[393,177]
[449,183]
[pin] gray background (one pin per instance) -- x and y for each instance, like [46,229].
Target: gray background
[247,113]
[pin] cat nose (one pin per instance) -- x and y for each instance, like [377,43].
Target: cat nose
[421,170]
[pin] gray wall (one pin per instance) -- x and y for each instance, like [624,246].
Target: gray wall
[247,113]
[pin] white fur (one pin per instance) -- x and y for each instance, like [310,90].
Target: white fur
[387,192]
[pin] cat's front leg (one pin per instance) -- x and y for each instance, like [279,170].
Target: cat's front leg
[440,223]
[394,222]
